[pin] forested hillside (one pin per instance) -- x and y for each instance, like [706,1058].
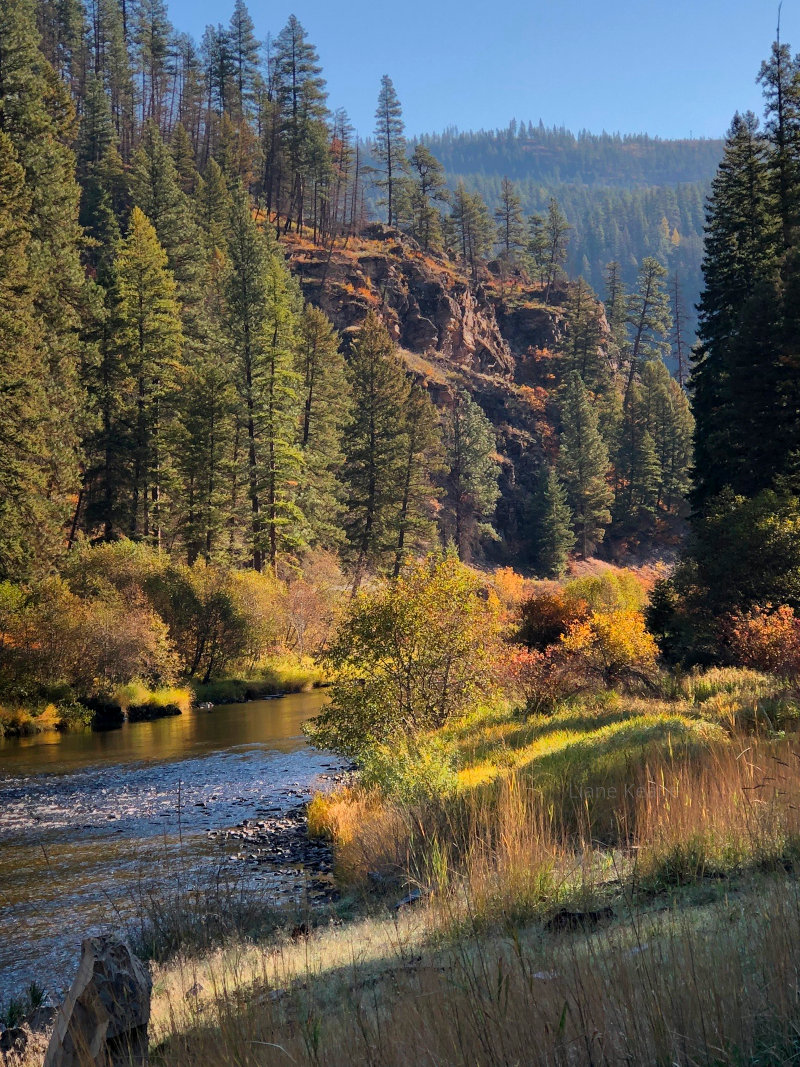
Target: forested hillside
[161,204]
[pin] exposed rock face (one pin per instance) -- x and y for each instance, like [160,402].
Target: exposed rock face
[525,326]
[104,1019]
[425,304]
[500,344]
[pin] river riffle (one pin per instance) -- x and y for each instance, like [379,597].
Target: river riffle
[91,822]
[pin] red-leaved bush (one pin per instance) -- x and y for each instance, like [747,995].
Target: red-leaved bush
[765,639]
[541,679]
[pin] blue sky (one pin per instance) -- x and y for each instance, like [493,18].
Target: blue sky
[668,68]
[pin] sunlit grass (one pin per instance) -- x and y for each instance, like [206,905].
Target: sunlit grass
[277,675]
[136,694]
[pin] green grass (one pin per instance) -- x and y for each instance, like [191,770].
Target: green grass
[278,675]
[592,738]
[22,721]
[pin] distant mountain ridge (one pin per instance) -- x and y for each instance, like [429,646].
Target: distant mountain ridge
[525,151]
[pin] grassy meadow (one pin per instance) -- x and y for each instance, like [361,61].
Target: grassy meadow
[611,882]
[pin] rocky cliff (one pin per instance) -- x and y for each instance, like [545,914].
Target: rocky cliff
[496,341]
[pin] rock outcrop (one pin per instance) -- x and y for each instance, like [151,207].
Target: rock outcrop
[500,342]
[104,1019]
[426,303]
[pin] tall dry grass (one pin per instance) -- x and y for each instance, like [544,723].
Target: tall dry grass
[537,940]
[719,986]
[520,847]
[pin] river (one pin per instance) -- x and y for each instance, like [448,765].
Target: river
[91,821]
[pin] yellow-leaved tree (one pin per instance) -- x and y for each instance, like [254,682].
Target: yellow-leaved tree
[408,656]
[614,645]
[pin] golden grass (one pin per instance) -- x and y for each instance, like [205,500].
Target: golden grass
[693,984]
[136,693]
[609,809]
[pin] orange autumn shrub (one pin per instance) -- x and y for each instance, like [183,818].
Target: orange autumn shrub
[766,639]
[545,618]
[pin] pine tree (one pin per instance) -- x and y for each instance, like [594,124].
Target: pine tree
[422,460]
[183,157]
[220,77]
[637,471]
[428,189]
[245,52]
[616,305]
[275,383]
[780,78]
[325,395]
[213,202]
[740,269]
[202,447]
[511,230]
[583,465]
[112,66]
[670,423]
[374,446]
[301,111]
[152,38]
[37,116]
[63,32]
[474,230]
[29,526]
[648,318]
[102,178]
[156,190]
[680,348]
[549,241]
[553,538]
[585,350]
[390,145]
[150,340]
[262,320]
[204,442]
[471,481]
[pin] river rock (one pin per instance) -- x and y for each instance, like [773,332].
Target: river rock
[104,1019]
[13,1039]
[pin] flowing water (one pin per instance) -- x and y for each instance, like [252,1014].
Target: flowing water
[91,821]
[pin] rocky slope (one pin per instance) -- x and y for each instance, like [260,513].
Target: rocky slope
[496,342]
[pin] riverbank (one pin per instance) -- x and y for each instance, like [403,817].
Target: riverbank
[600,884]
[280,677]
[97,827]
[136,702]
[685,977]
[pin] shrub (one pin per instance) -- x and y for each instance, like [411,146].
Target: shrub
[310,603]
[546,618]
[541,679]
[615,646]
[609,591]
[51,637]
[411,769]
[765,639]
[511,588]
[408,656]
